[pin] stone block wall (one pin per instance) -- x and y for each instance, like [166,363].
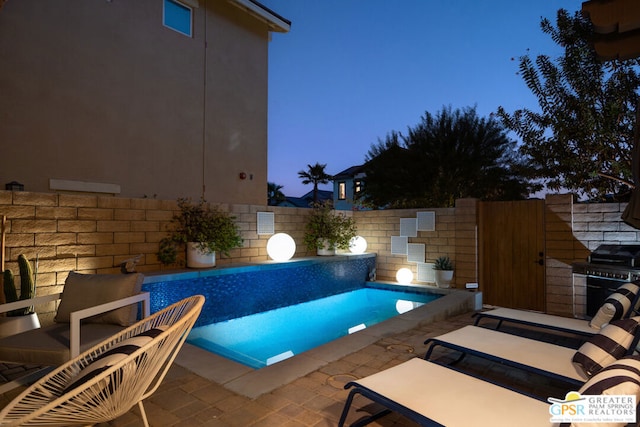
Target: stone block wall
[572,231]
[94,234]
[454,236]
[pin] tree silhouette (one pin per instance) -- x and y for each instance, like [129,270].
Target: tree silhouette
[447,156]
[274,193]
[314,175]
[582,137]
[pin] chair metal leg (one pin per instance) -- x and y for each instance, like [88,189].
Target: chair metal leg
[347,405]
[143,414]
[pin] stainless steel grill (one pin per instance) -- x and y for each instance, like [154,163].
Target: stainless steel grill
[607,267]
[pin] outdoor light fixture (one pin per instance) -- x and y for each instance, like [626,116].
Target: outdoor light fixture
[281,247]
[14,186]
[357,245]
[404,276]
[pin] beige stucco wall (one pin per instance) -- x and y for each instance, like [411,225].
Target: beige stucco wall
[100,91]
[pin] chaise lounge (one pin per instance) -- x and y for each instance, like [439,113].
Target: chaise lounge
[435,395]
[614,341]
[621,304]
[457,399]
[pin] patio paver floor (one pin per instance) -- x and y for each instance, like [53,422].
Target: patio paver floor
[315,399]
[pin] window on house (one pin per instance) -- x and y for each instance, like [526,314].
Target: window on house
[342,190]
[358,187]
[178,17]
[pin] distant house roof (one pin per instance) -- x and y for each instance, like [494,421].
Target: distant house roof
[274,21]
[349,172]
[306,200]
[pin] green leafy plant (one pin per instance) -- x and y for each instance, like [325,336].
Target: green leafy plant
[27,286]
[211,228]
[324,224]
[443,263]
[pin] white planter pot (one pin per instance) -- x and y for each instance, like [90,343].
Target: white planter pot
[198,259]
[443,278]
[18,324]
[325,249]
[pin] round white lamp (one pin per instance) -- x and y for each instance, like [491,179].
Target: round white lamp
[281,247]
[357,245]
[404,276]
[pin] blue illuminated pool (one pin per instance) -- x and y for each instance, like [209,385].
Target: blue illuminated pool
[266,338]
[259,304]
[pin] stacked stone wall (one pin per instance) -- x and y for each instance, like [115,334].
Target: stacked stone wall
[94,234]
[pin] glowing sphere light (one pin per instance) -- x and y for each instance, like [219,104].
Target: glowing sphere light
[357,245]
[281,247]
[404,276]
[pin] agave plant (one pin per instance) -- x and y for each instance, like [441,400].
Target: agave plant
[443,263]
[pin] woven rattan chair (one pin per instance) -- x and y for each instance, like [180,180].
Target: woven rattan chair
[107,380]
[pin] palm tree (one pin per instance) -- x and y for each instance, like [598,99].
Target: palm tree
[315,175]
[274,195]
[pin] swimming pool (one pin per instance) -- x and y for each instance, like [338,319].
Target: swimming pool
[238,291]
[266,338]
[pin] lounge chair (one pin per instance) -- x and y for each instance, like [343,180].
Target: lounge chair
[616,340]
[434,395]
[538,357]
[92,308]
[109,379]
[536,319]
[619,305]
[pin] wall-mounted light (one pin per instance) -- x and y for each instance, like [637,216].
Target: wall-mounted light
[404,276]
[358,245]
[281,247]
[14,186]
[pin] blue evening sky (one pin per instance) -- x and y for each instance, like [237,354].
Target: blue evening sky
[351,71]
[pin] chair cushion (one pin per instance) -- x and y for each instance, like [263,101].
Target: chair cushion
[49,345]
[112,356]
[616,305]
[621,378]
[88,290]
[611,343]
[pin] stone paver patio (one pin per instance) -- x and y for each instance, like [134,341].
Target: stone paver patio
[315,399]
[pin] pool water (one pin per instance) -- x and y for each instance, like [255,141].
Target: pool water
[262,339]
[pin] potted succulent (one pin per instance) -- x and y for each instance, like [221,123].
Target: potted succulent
[203,230]
[443,271]
[327,230]
[22,319]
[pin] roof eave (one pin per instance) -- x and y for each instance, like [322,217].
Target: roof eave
[275,22]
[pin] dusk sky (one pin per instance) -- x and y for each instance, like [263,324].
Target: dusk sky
[351,71]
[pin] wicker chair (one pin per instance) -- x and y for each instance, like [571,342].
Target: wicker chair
[107,380]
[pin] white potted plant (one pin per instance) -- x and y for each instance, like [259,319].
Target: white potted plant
[204,230]
[443,271]
[327,230]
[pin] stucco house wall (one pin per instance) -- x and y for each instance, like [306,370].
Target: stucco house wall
[101,92]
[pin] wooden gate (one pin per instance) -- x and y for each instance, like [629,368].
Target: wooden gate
[511,253]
